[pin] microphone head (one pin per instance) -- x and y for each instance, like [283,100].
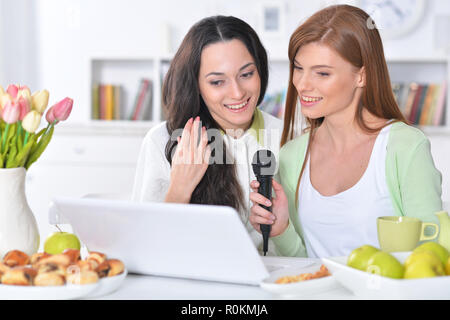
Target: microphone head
[264,163]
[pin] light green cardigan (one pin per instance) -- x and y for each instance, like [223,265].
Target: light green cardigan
[413,181]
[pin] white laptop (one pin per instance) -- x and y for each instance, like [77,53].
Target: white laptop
[165,239]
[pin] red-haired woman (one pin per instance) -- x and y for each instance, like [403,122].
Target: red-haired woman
[357,159]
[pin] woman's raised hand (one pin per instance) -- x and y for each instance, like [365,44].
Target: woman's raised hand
[278,218]
[189,162]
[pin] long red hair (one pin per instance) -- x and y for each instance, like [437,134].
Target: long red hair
[350,32]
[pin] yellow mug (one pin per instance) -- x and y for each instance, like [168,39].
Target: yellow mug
[397,234]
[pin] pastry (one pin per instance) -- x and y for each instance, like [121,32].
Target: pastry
[36,257]
[59,259]
[83,277]
[21,276]
[51,268]
[84,265]
[3,268]
[97,257]
[57,270]
[110,268]
[73,254]
[49,279]
[15,258]
[56,263]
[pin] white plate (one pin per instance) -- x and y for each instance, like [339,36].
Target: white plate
[107,285]
[302,288]
[70,291]
[45,293]
[366,285]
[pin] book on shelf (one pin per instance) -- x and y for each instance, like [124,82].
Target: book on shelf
[415,105]
[421,103]
[438,118]
[403,96]
[101,94]
[426,108]
[117,103]
[106,102]
[407,105]
[109,102]
[95,111]
[142,108]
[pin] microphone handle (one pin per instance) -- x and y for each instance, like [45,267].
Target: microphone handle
[265,188]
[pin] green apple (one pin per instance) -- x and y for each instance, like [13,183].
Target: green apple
[424,269]
[428,256]
[358,258]
[435,247]
[386,265]
[57,242]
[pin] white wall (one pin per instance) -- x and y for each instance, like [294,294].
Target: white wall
[19,49]
[69,32]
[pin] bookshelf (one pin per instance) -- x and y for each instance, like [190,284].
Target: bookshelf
[126,71]
[430,74]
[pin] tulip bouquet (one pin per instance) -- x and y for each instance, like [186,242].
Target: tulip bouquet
[21,113]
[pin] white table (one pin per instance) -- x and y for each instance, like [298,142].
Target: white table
[139,287]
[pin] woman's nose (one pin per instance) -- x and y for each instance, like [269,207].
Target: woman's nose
[303,83]
[236,91]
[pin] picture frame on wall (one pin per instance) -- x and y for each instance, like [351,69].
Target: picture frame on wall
[272,19]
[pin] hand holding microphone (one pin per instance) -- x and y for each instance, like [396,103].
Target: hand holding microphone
[270,216]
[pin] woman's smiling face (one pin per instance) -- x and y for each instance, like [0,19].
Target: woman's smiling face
[229,83]
[326,83]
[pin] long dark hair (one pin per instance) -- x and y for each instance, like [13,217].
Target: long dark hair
[181,100]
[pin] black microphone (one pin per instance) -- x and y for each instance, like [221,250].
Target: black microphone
[264,165]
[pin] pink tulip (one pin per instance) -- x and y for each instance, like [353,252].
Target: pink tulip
[24,107]
[11,112]
[62,109]
[12,90]
[49,116]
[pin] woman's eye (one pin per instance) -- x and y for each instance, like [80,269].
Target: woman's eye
[323,74]
[216,83]
[248,74]
[297,67]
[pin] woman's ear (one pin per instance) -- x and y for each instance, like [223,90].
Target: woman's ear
[361,82]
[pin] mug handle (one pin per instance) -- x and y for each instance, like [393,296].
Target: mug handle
[423,237]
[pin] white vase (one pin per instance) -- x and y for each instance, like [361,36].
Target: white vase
[18,227]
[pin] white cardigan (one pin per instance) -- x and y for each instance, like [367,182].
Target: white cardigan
[153,170]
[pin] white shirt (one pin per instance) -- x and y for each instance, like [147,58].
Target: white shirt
[153,170]
[335,225]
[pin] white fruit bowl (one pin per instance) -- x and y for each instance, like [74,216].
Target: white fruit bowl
[372,286]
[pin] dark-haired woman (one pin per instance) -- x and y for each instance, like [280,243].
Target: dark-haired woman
[358,159]
[202,154]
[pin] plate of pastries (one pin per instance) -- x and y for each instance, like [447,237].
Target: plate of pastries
[60,276]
